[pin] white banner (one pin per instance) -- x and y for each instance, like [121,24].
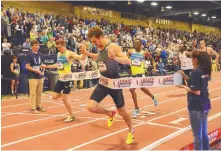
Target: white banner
[80,75]
[141,82]
[125,83]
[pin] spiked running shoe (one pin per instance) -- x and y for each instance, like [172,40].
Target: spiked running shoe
[111,119]
[130,137]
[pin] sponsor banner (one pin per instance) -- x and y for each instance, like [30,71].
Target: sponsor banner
[80,75]
[125,83]
[65,77]
[213,137]
[141,82]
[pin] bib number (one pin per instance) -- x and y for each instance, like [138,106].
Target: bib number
[60,66]
[136,63]
[101,66]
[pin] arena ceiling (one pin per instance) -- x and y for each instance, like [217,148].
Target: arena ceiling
[180,9]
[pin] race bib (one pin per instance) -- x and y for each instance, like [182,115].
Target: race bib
[60,66]
[103,81]
[135,62]
[101,66]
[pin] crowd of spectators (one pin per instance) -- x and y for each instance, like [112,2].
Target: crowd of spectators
[19,27]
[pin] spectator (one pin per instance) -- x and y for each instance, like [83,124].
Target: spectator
[27,44]
[88,67]
[164,56]
[198,98]
[15,69]
[51,46]
[34,62]
[71,43]
[44,38]
[33,35]
[5,46]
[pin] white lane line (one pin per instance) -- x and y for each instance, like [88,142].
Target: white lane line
[175,134]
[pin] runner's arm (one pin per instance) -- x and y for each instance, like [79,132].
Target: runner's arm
[147,55]
[188,54]
[214,53]
[92,55]
[129,53]
[196,92]
[119,56]
[77,57]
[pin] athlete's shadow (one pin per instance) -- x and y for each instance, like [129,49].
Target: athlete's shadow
[99,126]
[121,146]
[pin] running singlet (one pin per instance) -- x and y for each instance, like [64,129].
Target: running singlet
[137,62]
[107,67]
[63,66]
[186,63]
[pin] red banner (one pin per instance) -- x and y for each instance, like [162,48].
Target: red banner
[213,137]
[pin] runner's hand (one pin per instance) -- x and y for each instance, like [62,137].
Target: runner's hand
[43,66]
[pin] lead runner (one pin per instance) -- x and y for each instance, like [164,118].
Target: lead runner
[108,58]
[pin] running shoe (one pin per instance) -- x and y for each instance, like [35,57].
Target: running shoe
[111,119]
[135,113]
[130,137]
[34,111]
[69,119]
[40,109]
[155,101]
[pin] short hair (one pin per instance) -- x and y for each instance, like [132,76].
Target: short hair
[14,57]
[138,40]
[60,42]
[33,42]
[204,41]
[95,31]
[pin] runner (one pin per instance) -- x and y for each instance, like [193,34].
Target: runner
[138,56]
[108,58]
[65,59]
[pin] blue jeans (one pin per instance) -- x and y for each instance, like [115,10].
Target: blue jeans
[198,121]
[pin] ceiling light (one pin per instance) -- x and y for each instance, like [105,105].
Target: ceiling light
[168,7]
[195,13]
[203,15]
[129,2]
[162,9]
[154,3]
[140,1]
[213,17]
